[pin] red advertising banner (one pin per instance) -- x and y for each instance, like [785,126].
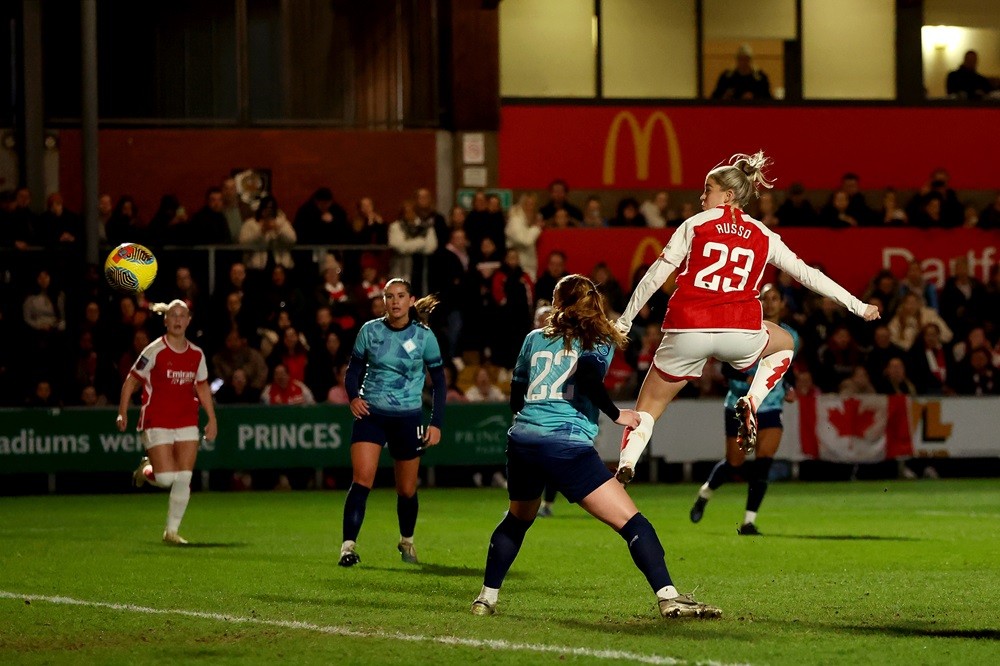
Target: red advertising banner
[850,256]
[653,147]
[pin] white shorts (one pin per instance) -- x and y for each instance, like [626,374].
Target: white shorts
[682,355]
[156,436]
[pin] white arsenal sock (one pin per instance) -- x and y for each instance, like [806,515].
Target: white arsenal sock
[634,442]
[770,370]
[180,493]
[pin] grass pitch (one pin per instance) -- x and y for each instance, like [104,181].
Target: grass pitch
[901,572]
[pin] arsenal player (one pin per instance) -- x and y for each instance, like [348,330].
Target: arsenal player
[719,256]
[173,377]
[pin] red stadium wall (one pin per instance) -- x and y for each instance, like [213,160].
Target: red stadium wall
[653,147]
[147,163]
[850,256]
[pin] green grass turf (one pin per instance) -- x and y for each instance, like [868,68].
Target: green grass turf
[901,572]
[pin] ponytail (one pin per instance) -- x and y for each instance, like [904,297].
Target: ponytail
[744,177]
[164,308]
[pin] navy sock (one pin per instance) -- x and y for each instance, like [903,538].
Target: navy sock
[504,545]
[646,551]
[758,483]
[406,510]
[721,473]
[354,510]
[550,494]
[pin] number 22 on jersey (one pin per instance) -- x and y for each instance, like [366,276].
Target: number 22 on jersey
[739,262]
[551,372]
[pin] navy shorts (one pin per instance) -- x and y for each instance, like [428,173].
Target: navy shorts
[768,419]
[404,435]
[576,474]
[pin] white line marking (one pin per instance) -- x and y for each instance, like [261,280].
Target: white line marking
[333,630]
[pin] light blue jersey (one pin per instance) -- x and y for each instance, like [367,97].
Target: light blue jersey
[553,413]
[775,400]
[394,374]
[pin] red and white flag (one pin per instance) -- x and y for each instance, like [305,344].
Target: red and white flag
[855,428]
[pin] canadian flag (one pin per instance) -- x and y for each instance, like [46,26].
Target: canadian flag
[855,428]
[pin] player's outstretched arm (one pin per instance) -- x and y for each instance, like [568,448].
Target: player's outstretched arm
[658,273]
[128,388]
[815,280]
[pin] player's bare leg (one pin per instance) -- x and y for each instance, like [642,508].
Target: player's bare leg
[654,396]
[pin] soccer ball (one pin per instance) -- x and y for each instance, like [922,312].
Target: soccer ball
[130,268]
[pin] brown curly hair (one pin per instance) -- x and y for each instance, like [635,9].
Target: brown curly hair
[578,313]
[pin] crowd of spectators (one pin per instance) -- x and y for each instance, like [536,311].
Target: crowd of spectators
[279,322]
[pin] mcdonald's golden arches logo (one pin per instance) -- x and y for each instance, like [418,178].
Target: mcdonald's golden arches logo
[642,138]
[646,252]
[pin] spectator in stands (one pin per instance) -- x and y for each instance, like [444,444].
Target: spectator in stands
[483,389]
[555,270]
[837,359]
[976,339]
[883,350]
[337,395]
[561,220]
[59,227]
[283,390]
[963,299]
[885,288]
[45,314]
[910,319]
[128,357]
[411,240]
[429,215]
[743,82]
[991,320]
[238,355]
[894,379]
[914,282]
[369,228]
[558,190]
[989,217]
[767,209]
[818,328]
[234,208]
[948,212]
[486,220]
[859,383]
[325,357]
[977,375]
[456,219]
[336,296]
[291,353]
[627,214]
[282,297]
[966,82]
[891,214]
[451,281]
[105,206]
[513,292]
[929,364]
[169,224]
[321,220]
[210,226]
[524,226]
[43,396]
[796,210]
[90,397]
[271,234]
[125,225]
[608,287]
[836,213]
[593,215]
[656,211]
[804,386]
[372,284]
[857,205]
[237,391]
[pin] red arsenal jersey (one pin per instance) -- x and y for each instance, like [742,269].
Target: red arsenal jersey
[721,255]
[168,378]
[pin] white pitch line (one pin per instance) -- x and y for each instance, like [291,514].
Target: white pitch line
[333,630]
